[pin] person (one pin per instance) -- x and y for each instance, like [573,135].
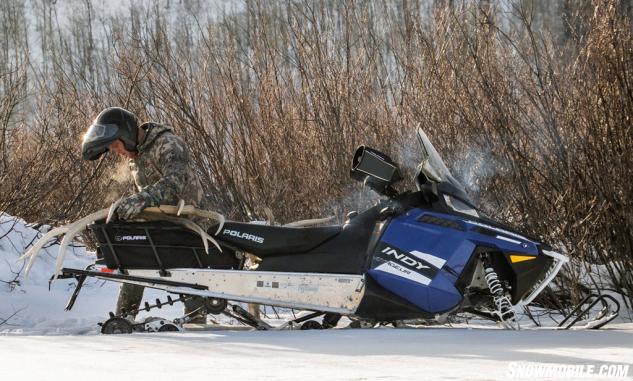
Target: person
[163,172]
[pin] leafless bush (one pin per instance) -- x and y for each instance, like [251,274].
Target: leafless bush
[273,99]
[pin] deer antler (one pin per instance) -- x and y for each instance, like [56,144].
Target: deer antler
[190,211]
[32,252]
[162,212]
[313,222]
[113,209]
[73,230]
[154,216]
[70,230]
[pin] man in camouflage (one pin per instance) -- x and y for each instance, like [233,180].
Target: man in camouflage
[163,173]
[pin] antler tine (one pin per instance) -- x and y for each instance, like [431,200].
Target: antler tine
[205,237]
[191,211]
[35,249]
[313,222]
[42,241]
[74,229]
[181,205]
[184,222]
[211,215]
[197,228]
[113,209]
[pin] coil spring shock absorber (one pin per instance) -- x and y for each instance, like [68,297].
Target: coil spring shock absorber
[501,300]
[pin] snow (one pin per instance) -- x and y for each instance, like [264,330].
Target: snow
[40,311]
[44,342]
[344,354]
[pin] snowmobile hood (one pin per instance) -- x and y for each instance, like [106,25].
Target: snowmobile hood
[152,132]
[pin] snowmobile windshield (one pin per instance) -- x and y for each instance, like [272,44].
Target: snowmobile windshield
[100,132]
[433,167]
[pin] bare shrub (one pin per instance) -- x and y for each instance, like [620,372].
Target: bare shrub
[274,97]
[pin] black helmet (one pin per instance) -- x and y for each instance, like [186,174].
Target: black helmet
[111,124]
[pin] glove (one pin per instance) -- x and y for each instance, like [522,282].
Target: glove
[132,206]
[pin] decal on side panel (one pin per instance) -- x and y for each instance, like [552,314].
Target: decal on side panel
[415,265]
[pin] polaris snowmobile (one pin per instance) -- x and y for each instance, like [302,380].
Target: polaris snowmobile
[423,254]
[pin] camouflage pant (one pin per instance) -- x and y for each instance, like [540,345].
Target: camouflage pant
[131,296]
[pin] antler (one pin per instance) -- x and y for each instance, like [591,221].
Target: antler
[157,216]
[313,222]
[71,230]
[190,211]
[162,212]
[32,252]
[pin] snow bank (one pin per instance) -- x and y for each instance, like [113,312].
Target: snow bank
[31,306]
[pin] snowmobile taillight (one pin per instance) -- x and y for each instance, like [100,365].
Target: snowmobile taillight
[105,270]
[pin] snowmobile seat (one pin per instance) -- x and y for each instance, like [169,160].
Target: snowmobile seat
[266,240]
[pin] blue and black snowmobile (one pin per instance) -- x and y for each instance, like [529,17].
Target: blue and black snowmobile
[417,255]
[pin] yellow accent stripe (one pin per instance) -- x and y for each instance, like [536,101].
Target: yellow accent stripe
[520,258]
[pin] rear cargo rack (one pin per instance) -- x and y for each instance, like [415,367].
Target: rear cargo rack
[157,245]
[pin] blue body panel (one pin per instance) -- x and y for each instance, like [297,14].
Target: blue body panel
[445,250]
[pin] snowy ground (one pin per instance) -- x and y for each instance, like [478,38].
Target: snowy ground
[345,354]
[43,342]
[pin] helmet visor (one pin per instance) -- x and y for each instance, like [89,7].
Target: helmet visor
[100,132]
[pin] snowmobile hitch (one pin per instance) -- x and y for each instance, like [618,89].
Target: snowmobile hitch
[71,302]
[69,273]
[81,278]
[602,318]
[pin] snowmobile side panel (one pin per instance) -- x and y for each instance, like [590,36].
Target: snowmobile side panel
[380,304]
[340,293]
[422,254]
[409,260]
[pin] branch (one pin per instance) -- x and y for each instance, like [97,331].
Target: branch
[4,321]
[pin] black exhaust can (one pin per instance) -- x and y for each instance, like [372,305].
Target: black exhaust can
[375,169]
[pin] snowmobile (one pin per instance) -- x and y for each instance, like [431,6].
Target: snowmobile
[417,255]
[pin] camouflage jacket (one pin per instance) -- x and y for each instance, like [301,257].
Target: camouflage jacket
[164,170]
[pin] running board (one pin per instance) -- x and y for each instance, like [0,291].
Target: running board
[338,293]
